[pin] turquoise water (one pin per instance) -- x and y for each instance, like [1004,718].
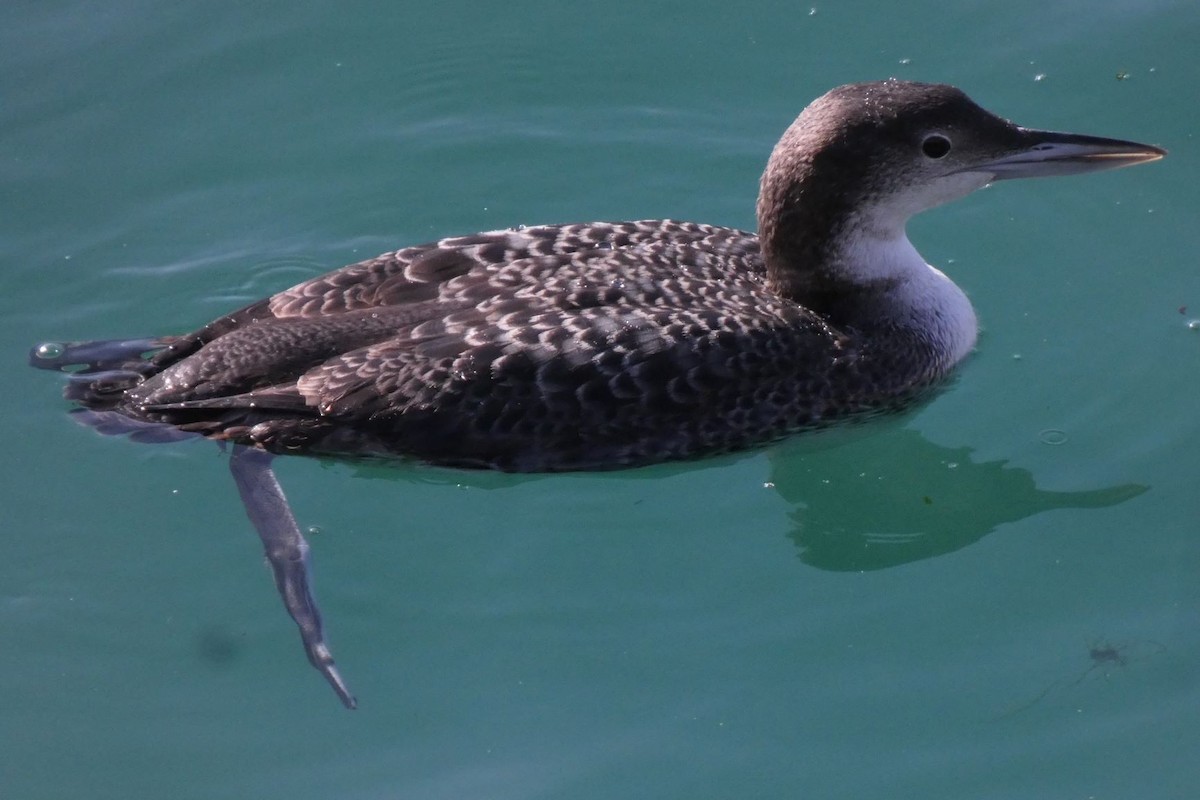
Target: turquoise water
[995,596]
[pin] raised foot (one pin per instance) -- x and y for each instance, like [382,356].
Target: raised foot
[89,357]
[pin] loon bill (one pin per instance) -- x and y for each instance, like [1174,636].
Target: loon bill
[599,345]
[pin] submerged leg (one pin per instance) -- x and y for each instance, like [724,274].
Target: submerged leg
[287,553]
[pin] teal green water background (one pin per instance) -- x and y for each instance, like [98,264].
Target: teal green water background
[995,597]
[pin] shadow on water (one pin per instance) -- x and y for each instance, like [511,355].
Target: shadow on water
[897,497]
[859,501]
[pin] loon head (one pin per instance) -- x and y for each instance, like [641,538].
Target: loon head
[862,159]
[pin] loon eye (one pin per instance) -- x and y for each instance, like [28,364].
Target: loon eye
[935,145]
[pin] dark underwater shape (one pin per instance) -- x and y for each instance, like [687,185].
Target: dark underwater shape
[600,345]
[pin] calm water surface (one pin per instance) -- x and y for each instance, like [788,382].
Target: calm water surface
[996,596]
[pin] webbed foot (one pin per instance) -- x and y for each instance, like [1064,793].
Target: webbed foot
[91,357]
[287,552]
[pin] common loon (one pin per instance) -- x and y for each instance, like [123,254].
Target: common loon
[600,345]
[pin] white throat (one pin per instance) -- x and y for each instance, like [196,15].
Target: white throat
[923,297]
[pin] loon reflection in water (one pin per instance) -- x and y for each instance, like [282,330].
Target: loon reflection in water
[600,345]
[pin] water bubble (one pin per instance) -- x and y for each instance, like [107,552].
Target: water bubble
[1192,325]
[49,350]
[1041,76]
[906,61]
[314,530]
[1016,356]
[1053,436]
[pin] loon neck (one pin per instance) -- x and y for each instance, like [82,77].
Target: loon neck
[864,274]
[832,233]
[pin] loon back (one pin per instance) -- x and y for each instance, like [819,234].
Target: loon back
[548,348]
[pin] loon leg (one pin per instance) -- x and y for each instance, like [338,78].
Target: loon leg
[287,553]
[100,356]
